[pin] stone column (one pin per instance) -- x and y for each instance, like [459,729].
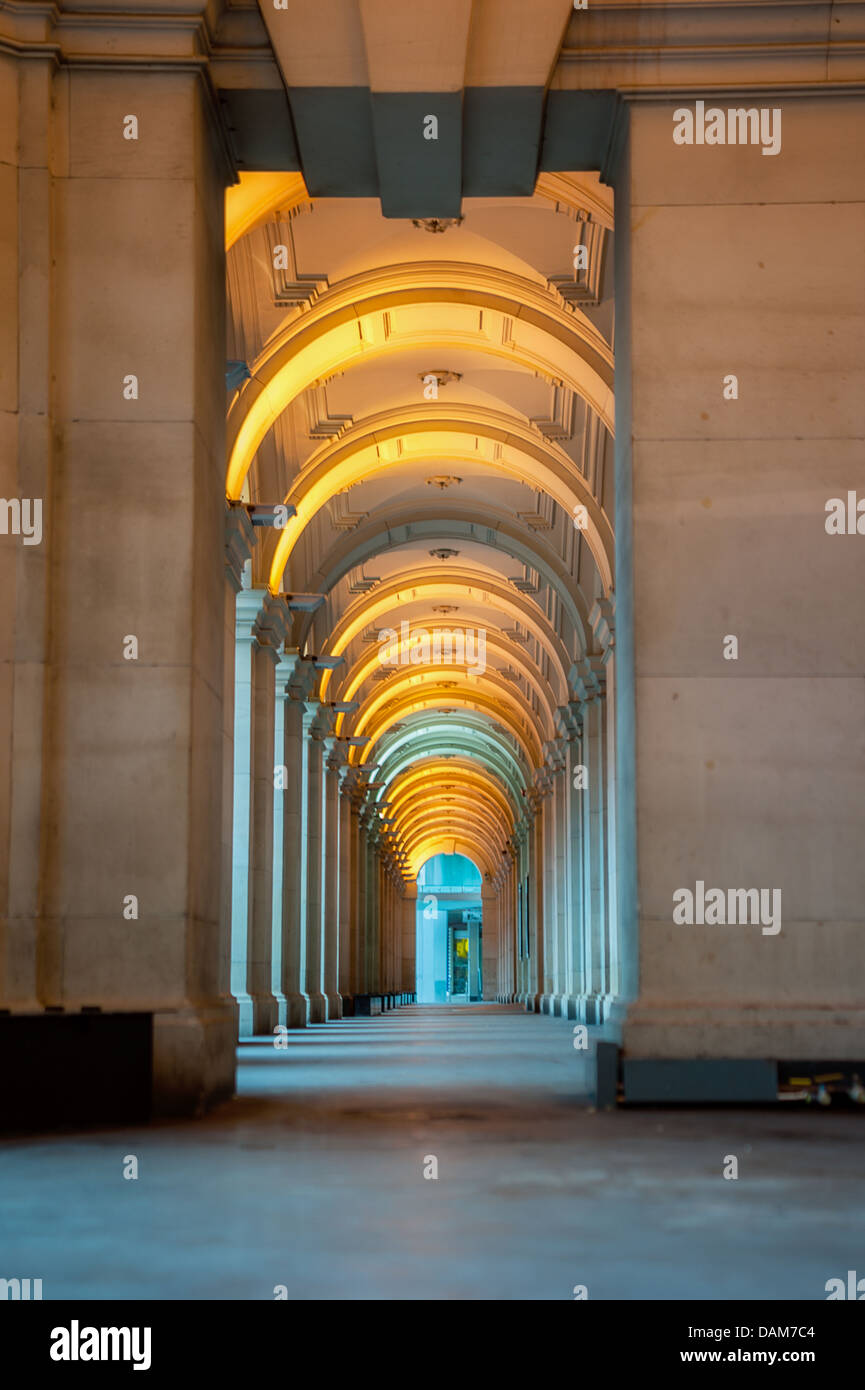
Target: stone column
[567,717]
[595,936]
[523,913]
[603,625]
[547,874]
[269,631]
[748,770]
[556,762]
[112,410]
[369,908]
[240,539]
[390,932]
[386,947]
[314,828]
[244,726]
[409,937]
[506,930]
[347,830]
[359,960]
[535,966]
[299,679]
[331,862]
[490,904]
[279,782]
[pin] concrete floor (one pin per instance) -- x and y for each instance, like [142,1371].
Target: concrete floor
[313,1178]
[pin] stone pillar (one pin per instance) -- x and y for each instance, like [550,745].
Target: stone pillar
[279,782]
[573,779]
[314,829]
[384,928]
[547,874]
[395,931]
[525,909]
[556,762]
[261,624]
[409,937]
[603,625]
[749,770]
[595,962]
[535,968]
[490,904]
[299,678]
[246,613]
[369,908]
[239,542]
[506,933]
[359,899]
[331,872]
[28,461]
[347,832]
[112,416]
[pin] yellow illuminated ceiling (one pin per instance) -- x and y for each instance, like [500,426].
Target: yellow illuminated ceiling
[485,510]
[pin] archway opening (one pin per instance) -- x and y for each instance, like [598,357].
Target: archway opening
[449,945]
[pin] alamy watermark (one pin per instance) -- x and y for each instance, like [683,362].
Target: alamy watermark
[22,516]
[76,1343]
[441,647]
[718,907]
[735,126]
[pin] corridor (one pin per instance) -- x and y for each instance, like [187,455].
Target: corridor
[432,553]
[313,1179]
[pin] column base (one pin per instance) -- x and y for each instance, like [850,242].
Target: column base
[593,1009]
[367,1005]
[194,1058]
[265,1014]
[296,1010]
[281,1011]
[334,1005]
[317,1008]
[245,1013]
[557,1006]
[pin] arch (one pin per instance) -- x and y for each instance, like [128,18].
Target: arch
[394,438]
[412,702]
[484,745]
[495,643]
[442,583]
[454,844]
[256,197]
[414,786]
[493,311]
[387,528]
[506,702]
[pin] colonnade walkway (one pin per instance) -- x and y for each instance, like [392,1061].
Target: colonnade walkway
[313,1179]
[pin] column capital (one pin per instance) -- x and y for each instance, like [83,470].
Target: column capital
[541,788]
[349,776]
[602,621]
[522,827]
[555,755]
[588,678]
[272,624]
[261,618]
[317,720]
[240,538]
[337,751]
[296,675]
[568,722]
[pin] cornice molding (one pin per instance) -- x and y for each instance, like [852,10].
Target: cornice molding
[664,48]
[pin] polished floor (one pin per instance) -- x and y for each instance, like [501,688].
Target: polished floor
[313,1179]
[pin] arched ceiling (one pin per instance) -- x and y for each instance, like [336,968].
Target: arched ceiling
[458,541]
